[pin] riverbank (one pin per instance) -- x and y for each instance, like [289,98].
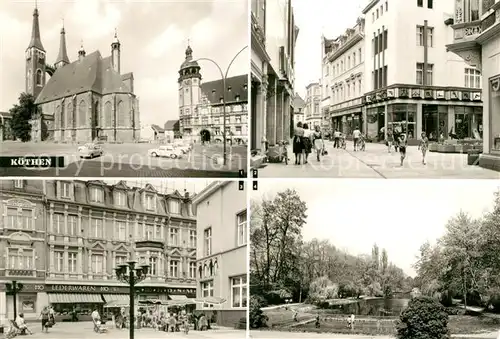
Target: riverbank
[282,320]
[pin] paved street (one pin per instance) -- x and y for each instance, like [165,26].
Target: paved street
[84,330]
[376,162]
[128,160]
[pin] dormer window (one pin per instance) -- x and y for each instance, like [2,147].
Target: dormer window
[96,194]
[65,190]
[18,183]
[174,207]
[120,199]
[150,202]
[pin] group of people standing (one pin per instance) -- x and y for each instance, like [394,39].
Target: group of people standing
[305,141]
[399,140]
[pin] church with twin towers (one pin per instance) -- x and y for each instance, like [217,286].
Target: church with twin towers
[85,99]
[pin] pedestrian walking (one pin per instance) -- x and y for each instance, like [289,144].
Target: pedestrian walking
[402,143]
[390,140]
[307,142]
[298,143]
[356,135]
[423,146]
[336,138]
[45,319]
[318,142]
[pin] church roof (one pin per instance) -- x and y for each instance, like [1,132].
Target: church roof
[298,102]
[93,73]
[238,85]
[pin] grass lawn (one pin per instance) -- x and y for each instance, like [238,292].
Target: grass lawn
[459,324]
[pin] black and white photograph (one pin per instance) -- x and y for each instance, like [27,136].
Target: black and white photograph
[123,259]
[361,259]
[124,88]
[375,89]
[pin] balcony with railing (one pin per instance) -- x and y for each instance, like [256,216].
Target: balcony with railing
[475,22]
[340,45]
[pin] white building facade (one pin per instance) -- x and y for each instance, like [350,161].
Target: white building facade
[312,110]
[343,76]
[477,40]
[414,83]
[273,39]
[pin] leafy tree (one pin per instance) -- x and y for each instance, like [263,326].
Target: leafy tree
[22,113]
[323,288]
[424,318]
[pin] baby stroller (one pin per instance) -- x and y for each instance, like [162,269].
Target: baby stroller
[14,330]
[99,327]
[362,143]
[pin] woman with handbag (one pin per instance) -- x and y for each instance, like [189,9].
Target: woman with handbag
[318,142]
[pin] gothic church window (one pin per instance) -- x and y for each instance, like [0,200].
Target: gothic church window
[82,113]
[120,114]
[57,117]
[69,116]
[108,114]
[38,77]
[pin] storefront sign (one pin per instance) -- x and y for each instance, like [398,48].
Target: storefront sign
[455,95]
[86,289]
[403,92]
[465,95]
[440,94]
[390,93]
[476,96]
[429,94]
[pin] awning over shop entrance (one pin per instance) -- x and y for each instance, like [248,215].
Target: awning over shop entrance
[116,297]
[74,298]
[180,297]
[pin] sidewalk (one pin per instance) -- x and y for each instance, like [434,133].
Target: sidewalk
[376,162]
[310,335]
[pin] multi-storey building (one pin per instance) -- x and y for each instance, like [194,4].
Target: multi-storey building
[415,84]
[201,105]
[221,212]
[343,77]
[272,60]
[312,110]
[299,106]
[63,239]
[476,25]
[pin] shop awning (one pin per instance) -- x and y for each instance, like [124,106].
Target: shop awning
[116,297]
[180,297]
[74,298]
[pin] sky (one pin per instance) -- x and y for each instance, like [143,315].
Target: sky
[153,33]
[399,216]
[314,18]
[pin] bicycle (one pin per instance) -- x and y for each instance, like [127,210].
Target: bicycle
[186,327]
[343,144]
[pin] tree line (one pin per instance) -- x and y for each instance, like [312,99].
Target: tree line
[284,266]
[464,264]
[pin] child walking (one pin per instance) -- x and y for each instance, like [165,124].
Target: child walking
[402,143]
[423,146]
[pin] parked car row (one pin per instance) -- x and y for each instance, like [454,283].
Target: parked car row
[173,151]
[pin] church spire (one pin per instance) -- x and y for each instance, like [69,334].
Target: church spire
[62,57]
[36,41]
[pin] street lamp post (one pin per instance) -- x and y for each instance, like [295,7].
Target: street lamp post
[224,78]
[131,274]
[14,288]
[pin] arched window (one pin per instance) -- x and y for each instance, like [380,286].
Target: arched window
[211,268]
[108,114]
[82,114]
[200,272]
[120,115]
[69,115]
[97,117]
[39,77]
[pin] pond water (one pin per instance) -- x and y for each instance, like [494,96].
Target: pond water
[373,307]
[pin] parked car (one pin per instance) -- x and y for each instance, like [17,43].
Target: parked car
[165,151]
[90,151]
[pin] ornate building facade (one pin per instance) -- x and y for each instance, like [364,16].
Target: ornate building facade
[476,27]
[272,72]
[201,112]
[222,250]
[87,99]
[312,110]
[63,239]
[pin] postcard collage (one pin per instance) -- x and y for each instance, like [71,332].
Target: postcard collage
[250,169]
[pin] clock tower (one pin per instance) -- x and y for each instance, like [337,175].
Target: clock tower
[189,95]
[35,60]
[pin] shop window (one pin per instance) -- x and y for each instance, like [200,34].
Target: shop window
[27,303]
[435,121]
[401,119]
